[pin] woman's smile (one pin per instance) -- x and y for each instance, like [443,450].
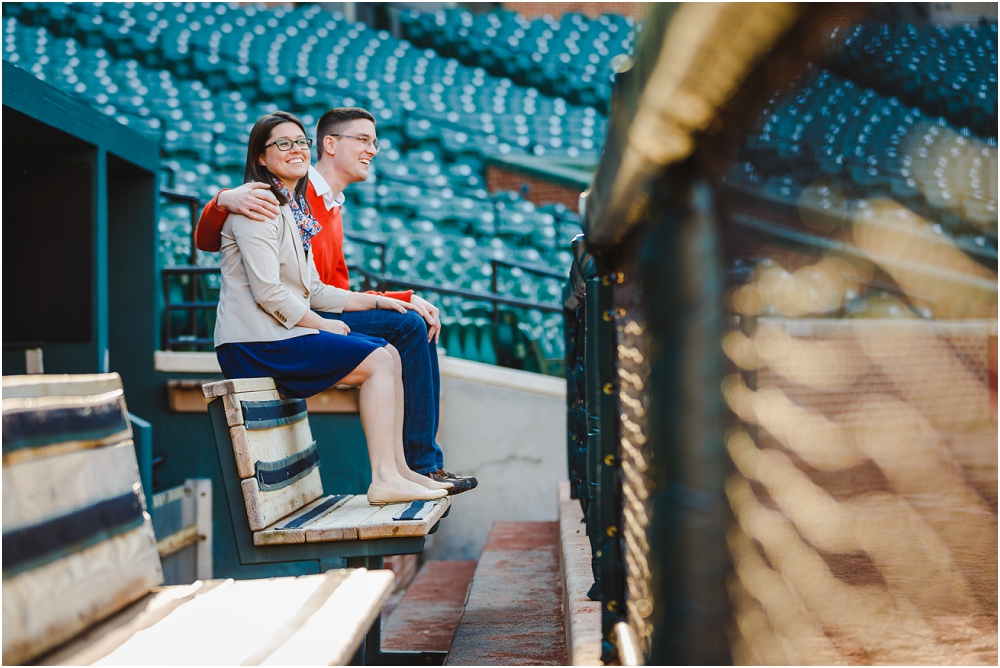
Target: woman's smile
[291,165]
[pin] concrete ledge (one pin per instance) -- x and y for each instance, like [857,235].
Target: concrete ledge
[170,361]
[514,379]
[451,367]
[582,616]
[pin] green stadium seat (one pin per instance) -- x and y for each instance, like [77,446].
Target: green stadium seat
[197,90]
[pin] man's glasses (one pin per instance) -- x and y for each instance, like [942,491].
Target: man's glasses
[363,139]
[286,144]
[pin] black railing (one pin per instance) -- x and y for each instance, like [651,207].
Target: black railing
[186,275]
[194,206]
[369,281]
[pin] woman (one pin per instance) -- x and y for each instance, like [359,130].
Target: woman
[266,325]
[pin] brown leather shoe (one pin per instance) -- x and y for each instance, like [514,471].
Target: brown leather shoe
[459,483]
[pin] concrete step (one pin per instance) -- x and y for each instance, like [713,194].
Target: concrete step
[583,616]
[425,617]
[514,615]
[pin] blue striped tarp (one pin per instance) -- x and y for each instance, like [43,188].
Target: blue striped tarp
[38,427]
[273,413]
[36,545]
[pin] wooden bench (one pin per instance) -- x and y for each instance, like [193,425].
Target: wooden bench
[80,564]
[182,521]
[277,506]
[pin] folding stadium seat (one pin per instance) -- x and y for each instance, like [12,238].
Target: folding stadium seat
[421,130]
[528,255]
[451,337]
[473,332]
[904,187]
[229,155]
[782,190]
[88,25]
[545,237]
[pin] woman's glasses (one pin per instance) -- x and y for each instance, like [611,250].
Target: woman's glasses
[286,144]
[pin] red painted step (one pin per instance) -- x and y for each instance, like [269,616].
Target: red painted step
[426,616]
[514,615]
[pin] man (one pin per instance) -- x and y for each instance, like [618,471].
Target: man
[346,145]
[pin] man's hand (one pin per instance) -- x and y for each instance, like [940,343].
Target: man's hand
[424,309]
[253,200]
[431,315]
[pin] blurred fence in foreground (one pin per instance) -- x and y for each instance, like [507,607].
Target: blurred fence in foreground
[782,340]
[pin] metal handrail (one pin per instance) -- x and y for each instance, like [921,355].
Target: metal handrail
[540,271]
[379,280]
[370,281]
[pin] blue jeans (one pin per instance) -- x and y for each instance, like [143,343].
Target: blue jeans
[407,332]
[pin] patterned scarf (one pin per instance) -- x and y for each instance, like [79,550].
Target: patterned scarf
[308,225]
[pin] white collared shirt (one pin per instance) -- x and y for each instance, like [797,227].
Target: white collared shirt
[324,190]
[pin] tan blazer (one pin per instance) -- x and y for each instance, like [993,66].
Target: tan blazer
[268,282]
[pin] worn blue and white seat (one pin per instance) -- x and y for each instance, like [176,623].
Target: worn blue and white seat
[278,466]
[80,563]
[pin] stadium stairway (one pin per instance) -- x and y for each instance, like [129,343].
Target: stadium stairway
[514,614]
[426,616]
[523,603]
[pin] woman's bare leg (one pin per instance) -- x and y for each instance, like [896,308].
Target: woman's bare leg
[378,390]
[401,465]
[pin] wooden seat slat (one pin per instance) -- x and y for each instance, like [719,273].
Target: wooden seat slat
[277,534]
[271,414]
[265,507]
[254,445]
[181,625]
[337,623]
[103,638]
[233,403]
[36,490]
[49,425]
[273,600]
[343,524]
[382,525]
[59,385]
[223,387]
[353,518]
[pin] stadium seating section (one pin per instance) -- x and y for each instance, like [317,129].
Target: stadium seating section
[903,113]
[897,110]
[195,77]
[569,57]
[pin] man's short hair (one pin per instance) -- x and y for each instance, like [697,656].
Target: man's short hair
[334,120]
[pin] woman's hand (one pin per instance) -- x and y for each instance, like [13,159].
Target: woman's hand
[336,327]
[383,303]
[314,321]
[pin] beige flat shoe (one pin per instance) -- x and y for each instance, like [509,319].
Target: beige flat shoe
[380,496]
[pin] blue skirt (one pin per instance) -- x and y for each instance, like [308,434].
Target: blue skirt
[301,366]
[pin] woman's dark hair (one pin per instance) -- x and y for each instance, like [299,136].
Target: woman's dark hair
[259,136]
